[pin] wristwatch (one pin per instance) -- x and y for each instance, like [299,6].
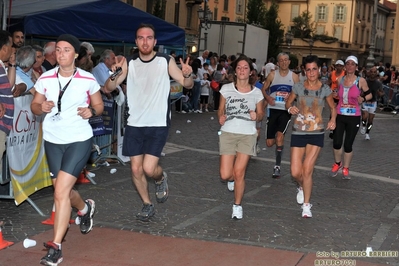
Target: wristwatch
[93,111]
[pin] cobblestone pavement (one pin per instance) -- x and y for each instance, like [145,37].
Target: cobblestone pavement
[347,215]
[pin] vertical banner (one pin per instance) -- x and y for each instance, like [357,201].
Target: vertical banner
[108,115]
[25,150]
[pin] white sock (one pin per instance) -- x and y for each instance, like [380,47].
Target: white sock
[84,210]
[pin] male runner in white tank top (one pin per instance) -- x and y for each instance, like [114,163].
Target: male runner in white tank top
[276,89]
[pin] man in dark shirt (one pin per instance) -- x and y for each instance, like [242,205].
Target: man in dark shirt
[369,107]
[50,60]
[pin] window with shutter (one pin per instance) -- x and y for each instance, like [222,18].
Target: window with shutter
[294,11]
[226,5]
[320,30]
[338,32]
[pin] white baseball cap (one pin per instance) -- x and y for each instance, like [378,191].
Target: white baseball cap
[353,58]
[340,62]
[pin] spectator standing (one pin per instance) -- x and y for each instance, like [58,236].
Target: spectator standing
[103,69]
[18,39]
[50,60]
[7,81]
[212,65]
[84,60]
[241,106]
[348,116]
[25,59]
[149,113]
[307,136]
[69,96]
[204,57]
[196,91]
[219,77]
[205,88]
[37,69]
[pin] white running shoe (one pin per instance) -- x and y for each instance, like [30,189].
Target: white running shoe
[230,185]
[306,213]
[257,149]
[299,196]
[367,137]
[237,212]
[363,130]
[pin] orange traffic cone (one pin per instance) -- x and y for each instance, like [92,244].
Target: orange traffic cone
[50,221]
[82,178]
[4,243]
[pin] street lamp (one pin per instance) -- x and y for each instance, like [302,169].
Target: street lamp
[205,17]
[311,43]
[288,38]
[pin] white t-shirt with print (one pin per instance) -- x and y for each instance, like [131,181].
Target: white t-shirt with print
[237,109]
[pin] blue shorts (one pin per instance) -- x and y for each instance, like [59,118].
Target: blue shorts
[301,141]
[144,140]
[70,158]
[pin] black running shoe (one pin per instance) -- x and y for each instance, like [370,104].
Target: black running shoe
[146,213]
[276,172]
[86,220]
[54,255]
[162,189]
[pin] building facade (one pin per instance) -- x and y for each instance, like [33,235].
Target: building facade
[349,21]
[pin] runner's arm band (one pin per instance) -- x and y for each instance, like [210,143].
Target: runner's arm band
[365,93]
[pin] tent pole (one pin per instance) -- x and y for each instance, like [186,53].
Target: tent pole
[4,14]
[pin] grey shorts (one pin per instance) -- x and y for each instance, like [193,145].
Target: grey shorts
[369,107]
[70,158]
[231,143]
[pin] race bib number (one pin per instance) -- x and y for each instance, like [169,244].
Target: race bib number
[281,96]
[348,110]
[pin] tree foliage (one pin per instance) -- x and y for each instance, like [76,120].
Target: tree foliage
[303,27]
[275,27]
[256,12]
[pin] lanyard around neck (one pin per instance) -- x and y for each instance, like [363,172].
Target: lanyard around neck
[62,90]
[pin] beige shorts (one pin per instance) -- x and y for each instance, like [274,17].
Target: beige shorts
[231,143]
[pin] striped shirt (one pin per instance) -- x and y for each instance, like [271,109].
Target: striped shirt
[6,101]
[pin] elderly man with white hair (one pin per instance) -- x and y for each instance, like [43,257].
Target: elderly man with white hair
[25,58]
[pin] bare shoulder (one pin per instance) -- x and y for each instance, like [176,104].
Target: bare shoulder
[295,77]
